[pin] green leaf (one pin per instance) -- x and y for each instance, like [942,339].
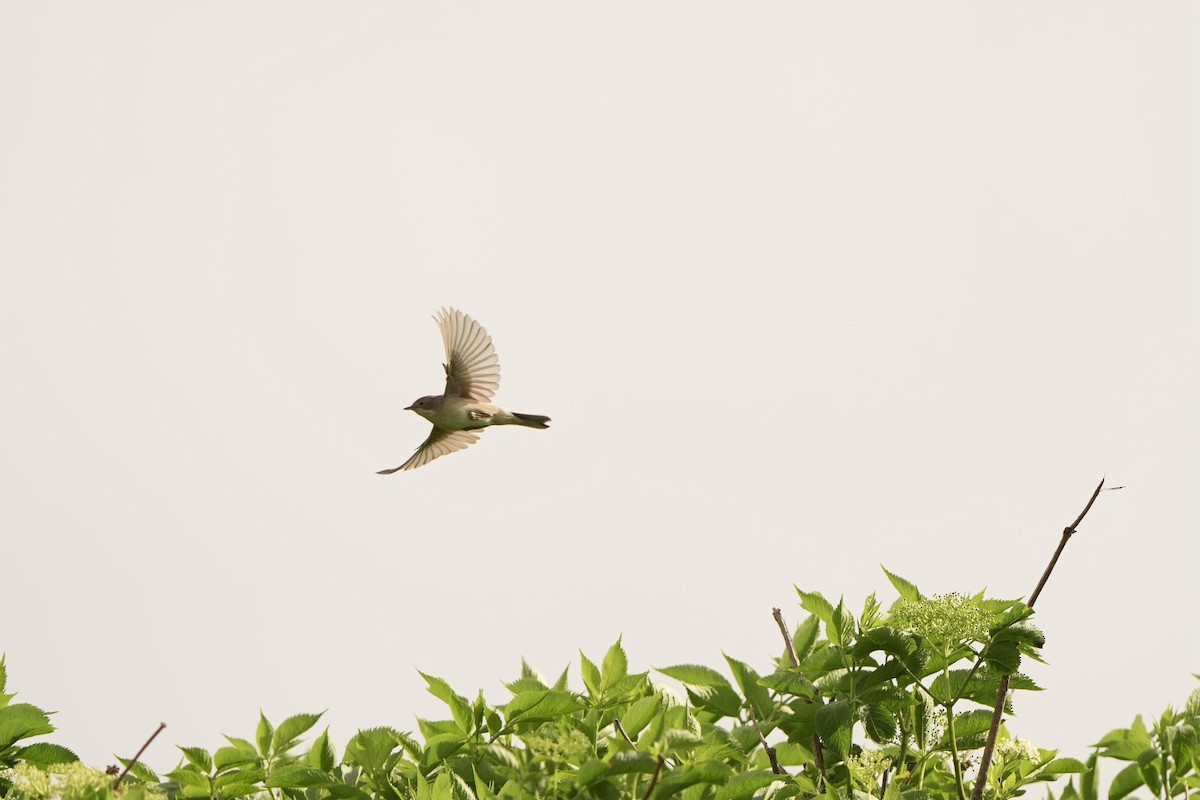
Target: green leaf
[748,681]
[591,676]
[460,709]
[1063,766]
[44,754]
[968,724]
[589,771]
[625,762]
[263,736]
[199,757]
[879,723]
[321,755]
[228,757]
[677,780]
[615,666]
[746,784]
[816,604]
[906,589]
[547,705]
[371,748]
[695,675]
[1125,781]
[295,776]
[638,715]
[805,636]
[1004,656]
[835,726]
[22,721]
[1090,779]
[290,730]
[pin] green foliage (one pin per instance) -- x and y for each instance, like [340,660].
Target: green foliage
[18,722]
[887,703]
[1164,758]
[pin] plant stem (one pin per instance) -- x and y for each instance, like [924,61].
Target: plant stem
[985,761]
[124,772]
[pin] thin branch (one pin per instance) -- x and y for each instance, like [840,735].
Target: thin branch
[818,756]
[121,777]
[1062,543]
[985,761]
[621,730]
[771,754]
[654,779]
[787,637]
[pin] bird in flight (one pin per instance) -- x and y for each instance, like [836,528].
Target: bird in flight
[472,378]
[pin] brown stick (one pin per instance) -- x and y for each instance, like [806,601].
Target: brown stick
[121,777]
[654,778]
[771,754]
[818,756]
[985,761]
[621,730]
[787,637]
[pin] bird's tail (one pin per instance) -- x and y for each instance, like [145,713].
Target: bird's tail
[530,420]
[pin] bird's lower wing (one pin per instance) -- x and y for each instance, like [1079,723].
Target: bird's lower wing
[439,443]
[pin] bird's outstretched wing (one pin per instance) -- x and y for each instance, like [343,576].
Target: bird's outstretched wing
[472,366]
[439,443]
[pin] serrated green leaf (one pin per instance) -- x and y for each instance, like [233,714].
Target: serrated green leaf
[615,666]
[546,705]
[906,589]
[879,723]
[710,772]
[228,757]
[1003,656]
[816,604]
[321,755]
[805,636]
[290,730]
[1063,766]
[295,776]
[370,748]
[638,715]
[748,681]
[695,675]
[460,709]
[22,721]
[1125,781]
[199,757]
[263,735]
[588,772]
[835,726]
[591,676]
[745,784]
[44,754]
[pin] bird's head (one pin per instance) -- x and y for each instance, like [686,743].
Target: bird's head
[426,406]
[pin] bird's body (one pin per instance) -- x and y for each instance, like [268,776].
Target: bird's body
[472,377]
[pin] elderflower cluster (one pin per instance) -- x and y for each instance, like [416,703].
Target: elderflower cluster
[942,618]
[73,781]
[1018,748]
[868,765]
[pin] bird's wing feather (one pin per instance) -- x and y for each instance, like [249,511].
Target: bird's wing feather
[472,366]
[439,443]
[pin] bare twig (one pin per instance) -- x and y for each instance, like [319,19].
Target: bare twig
[787,637]
[818,756]
[121,777]
[985,761]
[771,754]
[621,730]
[654,778]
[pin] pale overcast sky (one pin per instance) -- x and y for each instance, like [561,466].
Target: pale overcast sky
[806,287]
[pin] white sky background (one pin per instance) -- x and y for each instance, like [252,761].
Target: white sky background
[807,288]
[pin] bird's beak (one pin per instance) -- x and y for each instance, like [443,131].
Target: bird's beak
[408,408]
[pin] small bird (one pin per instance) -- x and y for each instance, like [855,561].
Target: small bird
[472,378]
